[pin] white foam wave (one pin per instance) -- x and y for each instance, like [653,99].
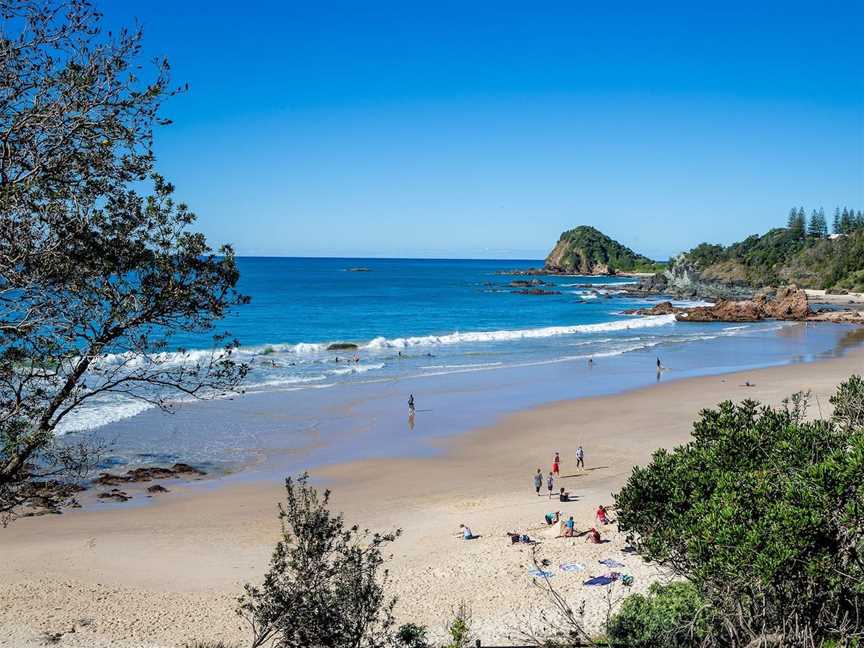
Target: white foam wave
[356,369]
[463,366]
[519,334]
[93,416]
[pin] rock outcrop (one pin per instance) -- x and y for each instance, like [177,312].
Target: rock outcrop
[790,303]
[137,475]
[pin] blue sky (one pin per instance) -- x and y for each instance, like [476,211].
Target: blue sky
[455,129]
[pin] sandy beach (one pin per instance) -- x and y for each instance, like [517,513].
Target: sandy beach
[169,572]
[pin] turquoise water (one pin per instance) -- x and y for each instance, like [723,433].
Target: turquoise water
[453,332]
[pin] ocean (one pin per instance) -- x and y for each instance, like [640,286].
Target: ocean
[455,329]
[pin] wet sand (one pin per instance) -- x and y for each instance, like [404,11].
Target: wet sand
[169,573]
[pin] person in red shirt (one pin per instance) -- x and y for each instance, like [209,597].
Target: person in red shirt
[555,465]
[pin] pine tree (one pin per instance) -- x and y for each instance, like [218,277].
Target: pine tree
[790,222]
[836,227]
[818,227]
[846,224]
[798,223]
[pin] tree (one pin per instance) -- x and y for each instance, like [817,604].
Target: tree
[96,279]
[818,227]
[763,512]
[797,223]
[846,223]
[325,586]
[835,228]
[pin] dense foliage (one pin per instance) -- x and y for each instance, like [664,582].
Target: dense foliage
[95,277]
[325,586]
[670,616]
[800,253]
[582,248]
[763,512]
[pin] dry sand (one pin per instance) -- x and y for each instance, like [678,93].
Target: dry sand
[168,573]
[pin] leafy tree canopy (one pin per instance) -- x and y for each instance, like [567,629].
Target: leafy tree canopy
[763,511]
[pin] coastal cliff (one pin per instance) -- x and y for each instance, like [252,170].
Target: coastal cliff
[586,250]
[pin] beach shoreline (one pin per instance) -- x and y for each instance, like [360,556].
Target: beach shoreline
[170,572]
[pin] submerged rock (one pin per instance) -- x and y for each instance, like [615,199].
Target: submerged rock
[137,475]
[342,346]
[535,291]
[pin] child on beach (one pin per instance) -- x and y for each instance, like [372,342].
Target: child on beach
[466,533]
[555,465]
[570,527]
[538,481]
[563,496]
[580,458]
[552,518]
[593,536]
[602,515]
[550,484]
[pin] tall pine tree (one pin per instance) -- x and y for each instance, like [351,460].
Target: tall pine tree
[836,227]
[818,228]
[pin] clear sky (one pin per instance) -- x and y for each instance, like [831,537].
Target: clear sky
[472,129]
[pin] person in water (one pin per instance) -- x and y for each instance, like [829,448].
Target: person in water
[411,402]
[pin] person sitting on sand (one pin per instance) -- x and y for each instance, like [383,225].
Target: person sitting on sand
[466,533]
[593,536]
[552,518]
[563,496]
[569,527]
[602,515]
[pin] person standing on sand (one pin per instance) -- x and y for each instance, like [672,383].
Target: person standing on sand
[550,484]
[580,458]
[538,481]
[556,465]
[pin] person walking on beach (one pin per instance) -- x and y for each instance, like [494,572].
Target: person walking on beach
[411,403]
[550,484]
[556,462]
[580,458]
[538,481]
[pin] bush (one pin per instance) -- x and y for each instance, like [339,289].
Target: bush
[326,582]
[412,635]
[764,512]
[671,616]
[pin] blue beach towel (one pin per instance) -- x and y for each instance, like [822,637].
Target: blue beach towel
[610,563]
[599,580]
[539,573]
[571,567]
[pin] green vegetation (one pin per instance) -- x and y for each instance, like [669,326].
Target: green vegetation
[763,514]
[799,253]
[326,582]
[671,615]
[589,251]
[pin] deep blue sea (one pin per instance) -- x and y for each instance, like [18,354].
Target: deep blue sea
[454,324]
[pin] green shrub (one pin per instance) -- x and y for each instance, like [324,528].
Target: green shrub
[411,635]
[670,616]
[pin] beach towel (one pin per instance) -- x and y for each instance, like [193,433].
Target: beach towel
[610,563]
[605,579]
[539,573]
[571,567]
